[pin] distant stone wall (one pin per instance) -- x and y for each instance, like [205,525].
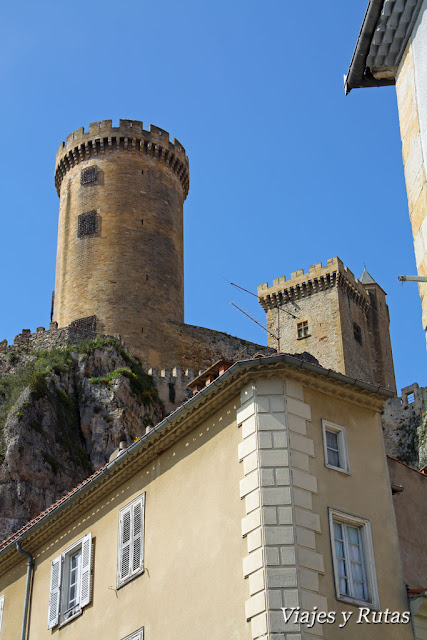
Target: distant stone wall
[42,339]
[404,422]
[197,348]
[200,347]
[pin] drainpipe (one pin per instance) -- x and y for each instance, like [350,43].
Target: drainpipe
[30,565]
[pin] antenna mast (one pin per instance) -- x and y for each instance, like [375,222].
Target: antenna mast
[276,337]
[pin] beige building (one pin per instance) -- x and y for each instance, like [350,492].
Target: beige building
[263,497]
[392,49]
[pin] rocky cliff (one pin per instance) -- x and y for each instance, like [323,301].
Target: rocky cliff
[63,411]
[404,423]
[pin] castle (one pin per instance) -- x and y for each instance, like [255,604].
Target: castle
[120,261]
[248,501]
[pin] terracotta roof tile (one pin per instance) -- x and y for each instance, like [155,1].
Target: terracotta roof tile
[7,541]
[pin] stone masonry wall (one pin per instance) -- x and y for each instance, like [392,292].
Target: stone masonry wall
[414,163]
[331,300]
[282,565]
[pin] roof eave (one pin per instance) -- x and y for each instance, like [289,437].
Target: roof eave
[356,77]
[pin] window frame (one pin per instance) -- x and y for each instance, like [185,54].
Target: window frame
[64,607]
[88,224]
[342,446]
[305,330]
[89,175]
[364,527]
[59,613]
[120,582]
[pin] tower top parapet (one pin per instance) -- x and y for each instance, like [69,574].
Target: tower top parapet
[130,136]
[318,278]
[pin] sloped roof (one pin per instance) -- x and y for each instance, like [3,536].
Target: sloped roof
[366,278]
[385,31]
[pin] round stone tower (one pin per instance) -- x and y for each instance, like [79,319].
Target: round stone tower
[119,267]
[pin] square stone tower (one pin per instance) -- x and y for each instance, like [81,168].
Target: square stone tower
[340,320]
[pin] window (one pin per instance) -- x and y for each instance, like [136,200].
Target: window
[88,224]
[87,324]
[136,635]
[89,175]
[70,582]
[130,556]
[302,329]
[335,447]
[357,332]
[1,609]
[353,559]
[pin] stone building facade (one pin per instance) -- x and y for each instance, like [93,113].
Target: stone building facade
[340,320]
[392,50]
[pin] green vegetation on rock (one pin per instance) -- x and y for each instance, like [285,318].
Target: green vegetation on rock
[40,366]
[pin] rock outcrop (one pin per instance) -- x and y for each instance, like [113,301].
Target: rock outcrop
[63,411]
[404,422]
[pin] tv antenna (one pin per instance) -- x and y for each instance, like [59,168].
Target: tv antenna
[273,335]
[279,308]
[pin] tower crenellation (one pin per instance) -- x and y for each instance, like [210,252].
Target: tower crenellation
[130,136]
[317,278]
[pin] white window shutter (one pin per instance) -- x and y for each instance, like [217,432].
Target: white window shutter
[138,535]
[85,576]
[54,593]
[125,543]
[131,540]
[1,609]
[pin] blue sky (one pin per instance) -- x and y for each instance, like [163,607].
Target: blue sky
[285,171]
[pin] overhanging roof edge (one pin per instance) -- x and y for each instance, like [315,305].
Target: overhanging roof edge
[356,73]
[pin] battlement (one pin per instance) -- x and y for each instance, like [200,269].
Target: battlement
[129,137]
[318,278]
[172,386]
[47,338]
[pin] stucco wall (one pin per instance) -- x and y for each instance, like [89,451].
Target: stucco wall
[411,515]
[236,525]
[193,584]
[365,493]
